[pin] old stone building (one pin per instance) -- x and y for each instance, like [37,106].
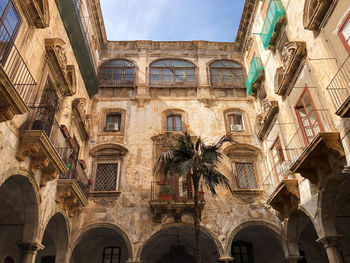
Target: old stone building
[83,119]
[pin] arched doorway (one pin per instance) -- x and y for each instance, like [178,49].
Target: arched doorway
[255,243]
[18,216]
[176,244]
[55,241]
[102,244]
[302,239]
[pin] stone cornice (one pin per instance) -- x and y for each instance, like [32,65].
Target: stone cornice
[94,8]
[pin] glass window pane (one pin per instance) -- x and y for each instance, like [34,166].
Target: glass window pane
[11,20]
[178,123]
[3,4]
[170,123]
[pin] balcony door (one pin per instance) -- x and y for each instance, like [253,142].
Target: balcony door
[308,118]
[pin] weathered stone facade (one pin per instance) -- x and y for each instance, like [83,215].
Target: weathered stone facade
[80,137]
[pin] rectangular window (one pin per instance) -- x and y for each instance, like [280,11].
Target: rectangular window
[242,252]
[277,158]
[309,122]
[246,176]
[344,33]
[106,177]
[111,255]
[113,122]
[174,123]
[235,122]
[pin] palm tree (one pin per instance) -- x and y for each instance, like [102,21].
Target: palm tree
[198,161]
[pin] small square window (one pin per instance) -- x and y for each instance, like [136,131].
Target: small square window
[174,123]
[113,122]
[235,122]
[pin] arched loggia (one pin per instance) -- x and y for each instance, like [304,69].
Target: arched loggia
[18,216]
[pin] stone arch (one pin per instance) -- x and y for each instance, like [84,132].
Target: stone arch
[171,58]
[302,236]
[104,228]
[273,229]
[55,238]
[19,213]
[172,230]
[104,61]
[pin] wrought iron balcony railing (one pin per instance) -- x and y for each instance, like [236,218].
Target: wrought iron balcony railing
[279,172]
[320,122]
[14,65]
[77,173]
[339,89]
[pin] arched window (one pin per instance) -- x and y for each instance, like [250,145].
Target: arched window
[117,73]
[226,73]
[172,73]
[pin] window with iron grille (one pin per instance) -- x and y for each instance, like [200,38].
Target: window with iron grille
[111,255]
[226,73]
[172,73]
[116,73]
[246,176]
[106,177]
[242,252]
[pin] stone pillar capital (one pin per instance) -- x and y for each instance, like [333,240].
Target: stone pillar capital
[30,247]
[329,241]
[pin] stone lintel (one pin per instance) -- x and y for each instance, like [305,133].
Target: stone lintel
[316,155]
[285,198]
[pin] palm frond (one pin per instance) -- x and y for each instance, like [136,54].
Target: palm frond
[163,161]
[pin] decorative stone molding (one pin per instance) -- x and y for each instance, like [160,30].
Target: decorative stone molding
[316,13]
[285,198]
[293,56]
[141,100]
[69,196]
[37,12]
[11,102]
[37,145]
[314,163]
[79,116]
[265,120]
[57,58]
[277,32]
[30,248]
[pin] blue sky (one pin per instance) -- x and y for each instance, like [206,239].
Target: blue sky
[170,20]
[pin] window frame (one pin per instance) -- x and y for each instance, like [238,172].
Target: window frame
[115,115]
[306,138]
[108,160]
[174,126]
[112,247]
[172,83]
[102,118]
[111,70]
[280,162]
[245,123]
[221,70]
[341,35]
[4,15]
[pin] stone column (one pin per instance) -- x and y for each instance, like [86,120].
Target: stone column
[292,259]
[225,260]
[29,251]
[331,245]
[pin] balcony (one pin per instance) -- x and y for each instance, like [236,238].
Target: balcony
[255,75]
[16,82]
[173,196]
[274,21]
[73,187]
[316,13]
[265,120]
[41,139]
[285,198]
[315,149]
[339,90]
[76,27]
[293,58]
